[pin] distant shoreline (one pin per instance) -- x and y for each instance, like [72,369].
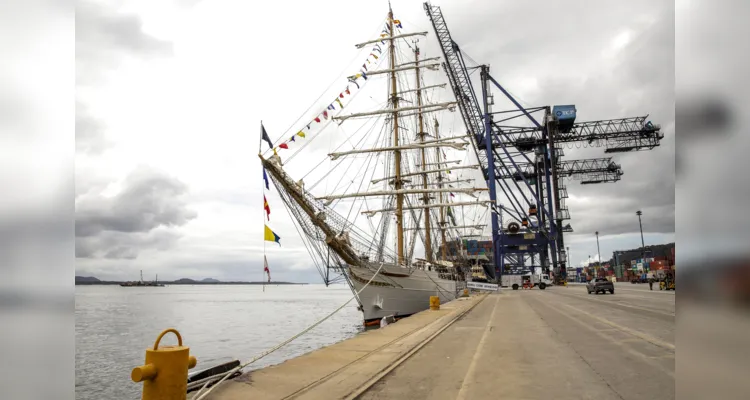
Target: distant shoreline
[191,283]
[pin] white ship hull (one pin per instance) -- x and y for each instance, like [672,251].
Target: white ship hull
[395,291]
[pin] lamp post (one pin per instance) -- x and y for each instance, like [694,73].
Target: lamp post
[598,253]
[643,245]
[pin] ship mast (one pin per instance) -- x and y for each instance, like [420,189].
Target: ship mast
[426,195]
[397,154]
[442,209]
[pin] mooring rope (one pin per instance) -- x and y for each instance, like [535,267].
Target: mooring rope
[199,396]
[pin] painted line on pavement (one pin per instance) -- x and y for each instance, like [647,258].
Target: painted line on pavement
[633,332]
[470,371]
[615,304]
[620,343]
[384,372]
[672,292]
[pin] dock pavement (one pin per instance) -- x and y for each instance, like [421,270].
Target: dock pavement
[527,344]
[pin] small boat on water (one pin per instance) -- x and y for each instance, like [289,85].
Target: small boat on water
[141,282]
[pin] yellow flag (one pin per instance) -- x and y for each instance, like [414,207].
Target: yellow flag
[301,134]
[339,101]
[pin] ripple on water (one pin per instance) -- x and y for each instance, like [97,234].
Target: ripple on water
[114,325]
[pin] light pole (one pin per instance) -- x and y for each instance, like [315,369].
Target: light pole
[643,245]
[598,253]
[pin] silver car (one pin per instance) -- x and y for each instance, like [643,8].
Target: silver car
[603,285]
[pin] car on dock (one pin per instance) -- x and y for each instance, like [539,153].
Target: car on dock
[603,285]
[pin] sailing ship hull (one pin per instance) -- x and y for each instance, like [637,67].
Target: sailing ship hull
[398,291]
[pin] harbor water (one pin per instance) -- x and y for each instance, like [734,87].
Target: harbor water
[114,326]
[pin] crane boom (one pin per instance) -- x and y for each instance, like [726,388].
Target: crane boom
[617,135]
[593,170]
[458,76]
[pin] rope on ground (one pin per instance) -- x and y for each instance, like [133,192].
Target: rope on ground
[199,396]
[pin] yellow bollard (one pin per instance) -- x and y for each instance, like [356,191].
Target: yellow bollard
[466,292]
[434,302]
[164,375]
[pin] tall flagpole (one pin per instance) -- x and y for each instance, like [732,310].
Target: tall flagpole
[260,139]
[265,261]
[263,210]
[398,183]
[426,196]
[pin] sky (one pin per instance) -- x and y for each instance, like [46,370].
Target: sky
[170,95]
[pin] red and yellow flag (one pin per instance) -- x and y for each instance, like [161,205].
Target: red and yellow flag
[266,207]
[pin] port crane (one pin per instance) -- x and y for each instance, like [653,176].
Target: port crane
[529,181]
[592,170]
[616,135]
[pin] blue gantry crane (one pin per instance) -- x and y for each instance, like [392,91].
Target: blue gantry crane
[591,170]
[520,154]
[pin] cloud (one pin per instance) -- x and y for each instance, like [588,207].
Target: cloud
[90,138]
[214,117]
[607,77]
[141,216]
[124,245]
[106,36]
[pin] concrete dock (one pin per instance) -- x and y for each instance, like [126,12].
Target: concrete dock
[526,344]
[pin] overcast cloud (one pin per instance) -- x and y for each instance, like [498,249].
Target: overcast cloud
[170,95]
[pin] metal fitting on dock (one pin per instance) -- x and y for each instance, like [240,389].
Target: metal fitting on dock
[164,375]
[434,302]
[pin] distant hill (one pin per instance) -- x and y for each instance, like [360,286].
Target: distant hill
[90,280]
[86,279]
[184,281]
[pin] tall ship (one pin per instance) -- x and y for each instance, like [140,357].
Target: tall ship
[374,188]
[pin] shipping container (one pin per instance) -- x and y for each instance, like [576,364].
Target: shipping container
[564,113]
[566,116]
